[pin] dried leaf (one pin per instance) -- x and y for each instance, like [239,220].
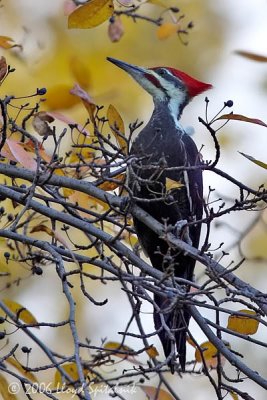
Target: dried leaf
[91,14]
[166,30]
[151,393]
[111,185]
[68,6]
[116,124]
[152,352]
[40,123]
[58,97]
[25,158]
[27,374]
[7,42]
[3,68]
[251,56]
[115,30]
[5,389]
[239,117]
[254,160]
[68,121]
[21,312]
[171,184]
[86,99]
[243,323]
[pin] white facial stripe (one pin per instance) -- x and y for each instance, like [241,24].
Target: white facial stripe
[155,92]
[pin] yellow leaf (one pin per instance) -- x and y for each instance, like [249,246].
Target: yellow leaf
[29,375]
[243,323]
[234,395]
[111,185]
[117,346]
[80,72]
[7,42]
[209,353]
[166,30]
[171,184]
[151,393]
[72,371]
[152,352]
[58,97]
[91,14]
[157,3]
[5,389]
[254,160]
[21,312]
[116,124]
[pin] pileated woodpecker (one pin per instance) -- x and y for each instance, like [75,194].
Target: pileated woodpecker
[160,151]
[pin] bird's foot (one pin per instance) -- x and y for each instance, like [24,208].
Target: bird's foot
[181,231]
[125,203]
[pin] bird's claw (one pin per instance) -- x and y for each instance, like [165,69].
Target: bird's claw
[125,201]
[181,231]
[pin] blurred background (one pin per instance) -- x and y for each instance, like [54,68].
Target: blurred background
[50,57]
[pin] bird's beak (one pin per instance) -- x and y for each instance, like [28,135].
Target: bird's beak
[131,69]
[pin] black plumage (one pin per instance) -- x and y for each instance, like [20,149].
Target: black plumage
[158,149]
[162,151]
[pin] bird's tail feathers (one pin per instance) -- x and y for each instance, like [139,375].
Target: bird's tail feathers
[177,322]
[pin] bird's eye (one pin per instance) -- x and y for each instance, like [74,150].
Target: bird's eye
[162,72]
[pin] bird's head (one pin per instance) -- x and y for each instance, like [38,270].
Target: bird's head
[167,85]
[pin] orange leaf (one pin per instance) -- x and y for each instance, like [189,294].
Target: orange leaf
[91,14]
[111,185]
[7,42]
[86,99]
[58,97]
[239,117]
[243,323]
[251,56]
[152,352]
[151,393]
[166,30]
[116,124]
[25,158]
[21,312]
[3,68]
